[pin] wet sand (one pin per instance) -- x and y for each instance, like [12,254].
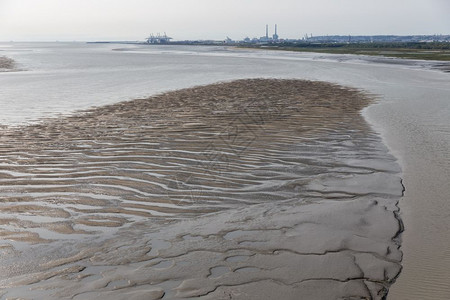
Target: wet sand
[6,64]
[242,189]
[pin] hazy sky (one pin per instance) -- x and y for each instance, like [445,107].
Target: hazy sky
[216,19]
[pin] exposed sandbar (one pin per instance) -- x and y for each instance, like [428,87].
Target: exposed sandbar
[6,64]
[248,189]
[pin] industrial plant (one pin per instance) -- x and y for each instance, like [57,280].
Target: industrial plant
[266,38]
[164,39]
[275,39]
[158,39]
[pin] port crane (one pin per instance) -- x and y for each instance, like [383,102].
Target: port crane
[158,39]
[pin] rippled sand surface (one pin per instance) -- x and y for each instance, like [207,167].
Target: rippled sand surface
[6,64]
[247,189]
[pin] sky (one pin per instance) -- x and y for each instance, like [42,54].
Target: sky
[97,20]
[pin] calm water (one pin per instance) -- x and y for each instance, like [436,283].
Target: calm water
[61,77]
[413,116]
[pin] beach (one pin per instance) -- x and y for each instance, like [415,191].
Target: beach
[6,64]
[73,201]
[240,189]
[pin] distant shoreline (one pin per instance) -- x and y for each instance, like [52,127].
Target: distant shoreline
[437,52]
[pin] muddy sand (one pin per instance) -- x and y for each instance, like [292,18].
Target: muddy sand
[6,64]
[251,189]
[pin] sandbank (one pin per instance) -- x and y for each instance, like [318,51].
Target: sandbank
[6,64]
[246,189]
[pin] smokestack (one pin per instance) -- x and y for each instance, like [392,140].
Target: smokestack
[275,29]
[267,31]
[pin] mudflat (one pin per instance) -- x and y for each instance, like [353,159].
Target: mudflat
[6,64]
[246,189]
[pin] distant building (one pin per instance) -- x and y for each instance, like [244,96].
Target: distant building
[267,39]
[229,41]
[275,35]
[158,39]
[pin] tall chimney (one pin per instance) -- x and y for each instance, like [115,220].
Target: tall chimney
[267,31]
[275,29]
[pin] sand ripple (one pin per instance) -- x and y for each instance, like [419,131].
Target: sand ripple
[6,64]
[224,154]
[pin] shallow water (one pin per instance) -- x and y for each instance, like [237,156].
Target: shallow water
[63,77]
[56,73]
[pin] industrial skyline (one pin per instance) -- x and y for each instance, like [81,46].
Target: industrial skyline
[275,38]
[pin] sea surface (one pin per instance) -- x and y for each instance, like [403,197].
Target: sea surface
[63,77]
[412,116]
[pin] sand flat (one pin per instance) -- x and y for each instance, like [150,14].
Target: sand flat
[6,64]
[285,173]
